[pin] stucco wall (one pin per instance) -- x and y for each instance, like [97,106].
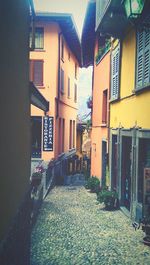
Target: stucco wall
[99,130]
[67,106]
[128,112]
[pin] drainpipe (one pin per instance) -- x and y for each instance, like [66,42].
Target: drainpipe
[58,88]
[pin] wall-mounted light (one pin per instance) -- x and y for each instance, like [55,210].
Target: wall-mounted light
[133,8]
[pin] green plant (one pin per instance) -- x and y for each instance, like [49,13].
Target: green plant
[109,198]
[93,184]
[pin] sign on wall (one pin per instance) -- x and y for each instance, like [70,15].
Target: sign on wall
[47,133]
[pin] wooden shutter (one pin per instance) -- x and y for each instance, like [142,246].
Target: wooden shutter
[147,57]
[62,81]
[115,73]
[143,58]
[75,93]
[140,49]
[38,72]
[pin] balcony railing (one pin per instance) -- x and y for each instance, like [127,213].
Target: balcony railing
[102,51]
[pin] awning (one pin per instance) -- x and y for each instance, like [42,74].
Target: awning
[37,99]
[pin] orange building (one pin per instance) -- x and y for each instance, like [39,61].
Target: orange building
[54,66]
[96,52]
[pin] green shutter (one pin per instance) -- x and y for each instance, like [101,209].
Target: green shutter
[115,73]
[143,58]
[147,58]
[140,62]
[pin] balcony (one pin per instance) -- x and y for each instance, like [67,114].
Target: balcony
[101,6]
[111,19]
[102,51]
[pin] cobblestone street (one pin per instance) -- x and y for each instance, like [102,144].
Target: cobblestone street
[72,228]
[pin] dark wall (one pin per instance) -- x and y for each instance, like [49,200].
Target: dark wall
[15,112]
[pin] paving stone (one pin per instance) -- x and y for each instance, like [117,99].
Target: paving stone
[72,229]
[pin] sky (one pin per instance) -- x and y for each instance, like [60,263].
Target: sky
[77,8]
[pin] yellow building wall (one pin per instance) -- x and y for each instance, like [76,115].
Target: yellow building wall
[128,112]
[67,106]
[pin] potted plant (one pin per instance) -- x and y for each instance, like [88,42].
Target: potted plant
[37,176]
[89,103]
[109,198]
[145,223]
[93,184]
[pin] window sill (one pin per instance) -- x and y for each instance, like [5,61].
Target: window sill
[114,100]
[142,88]
[40,87]
[104,124]
[39,50]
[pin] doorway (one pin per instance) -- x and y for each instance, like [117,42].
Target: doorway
[126,171]
[104,162]
[114,163]
[36,131]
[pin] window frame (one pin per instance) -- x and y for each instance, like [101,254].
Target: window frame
[36,37]
[104,106]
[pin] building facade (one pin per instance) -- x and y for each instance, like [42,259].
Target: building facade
[54,67]
[129,118]
[100,59]
[129,80]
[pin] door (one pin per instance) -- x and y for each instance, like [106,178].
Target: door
[114,163]
[126,171]
[104,162]
[36,131]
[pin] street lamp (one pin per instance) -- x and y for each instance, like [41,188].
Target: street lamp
[133,8]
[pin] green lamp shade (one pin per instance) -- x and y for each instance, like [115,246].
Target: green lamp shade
[133,8]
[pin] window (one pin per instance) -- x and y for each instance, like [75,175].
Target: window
[36,72]
[39,38]
[75,93]
[70,135]
[115,63]
[75,70]
[60,137]
[68,87]
[63,135]
[104,107]
[143,59]
[73,134]
[62,81]
[62,49]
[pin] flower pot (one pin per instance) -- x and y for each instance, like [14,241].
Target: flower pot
[146,240]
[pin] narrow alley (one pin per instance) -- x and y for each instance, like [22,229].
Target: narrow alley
[72,228]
